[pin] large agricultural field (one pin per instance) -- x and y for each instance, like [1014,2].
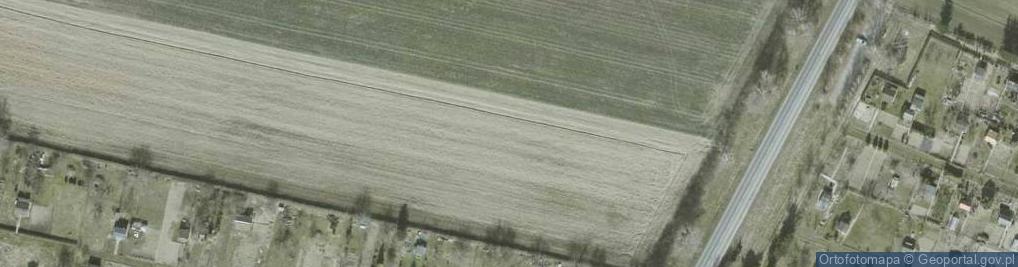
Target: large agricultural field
[465,159]
[984,18]
[668,63]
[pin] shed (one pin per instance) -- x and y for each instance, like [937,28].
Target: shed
[1005,216]
[909,244]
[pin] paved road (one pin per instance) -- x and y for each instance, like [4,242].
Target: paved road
[776,135]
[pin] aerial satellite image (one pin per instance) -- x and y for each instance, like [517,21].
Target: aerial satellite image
[552,133]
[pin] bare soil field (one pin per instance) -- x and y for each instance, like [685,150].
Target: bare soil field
[663,63]
[463,158]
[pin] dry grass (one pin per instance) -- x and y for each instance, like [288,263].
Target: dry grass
[466,157]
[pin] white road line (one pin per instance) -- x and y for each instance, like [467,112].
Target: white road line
[777,134]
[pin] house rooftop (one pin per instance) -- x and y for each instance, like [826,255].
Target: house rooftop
[120,228]
[1006,215]
[246,217]
[909,243]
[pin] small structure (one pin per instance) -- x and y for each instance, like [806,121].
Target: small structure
[826,198]
[909,244]
[363,220]
[828,195]
[952,224]
[245,217]
[889,90]
[119,232]
[991,137]
[139,227]
[980,72]
[45,161]
[844,223]
[94,261]
[22,208]
[967,203]
[1006,215]
[1014,243]
[965,206]
[183,232]
[1011,85]
[420,245]
[915,105]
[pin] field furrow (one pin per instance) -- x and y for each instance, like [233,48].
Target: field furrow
[618,57]
[605,21]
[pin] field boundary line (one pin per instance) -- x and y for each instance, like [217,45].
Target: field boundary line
[355,84]
[40,235]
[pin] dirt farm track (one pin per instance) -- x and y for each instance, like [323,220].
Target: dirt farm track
[460,156]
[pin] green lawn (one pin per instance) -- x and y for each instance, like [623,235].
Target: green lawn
[657,63]
[945,199]
[878,228]
[937,75]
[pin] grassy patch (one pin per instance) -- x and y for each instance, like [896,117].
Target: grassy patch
[878,228]
[945,197]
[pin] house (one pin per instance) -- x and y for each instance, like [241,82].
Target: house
[23,205]
[991,137]
[120,229]
[420,246]
[889,90]
[94,261]
[844,223]
[826,197]
[968,202]
[915,106]
[952,224]
[45,161]
[1006,215]
[1014,243]
[1011,85]
[980,72]
[183,232]
[909,244]
[965,206]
